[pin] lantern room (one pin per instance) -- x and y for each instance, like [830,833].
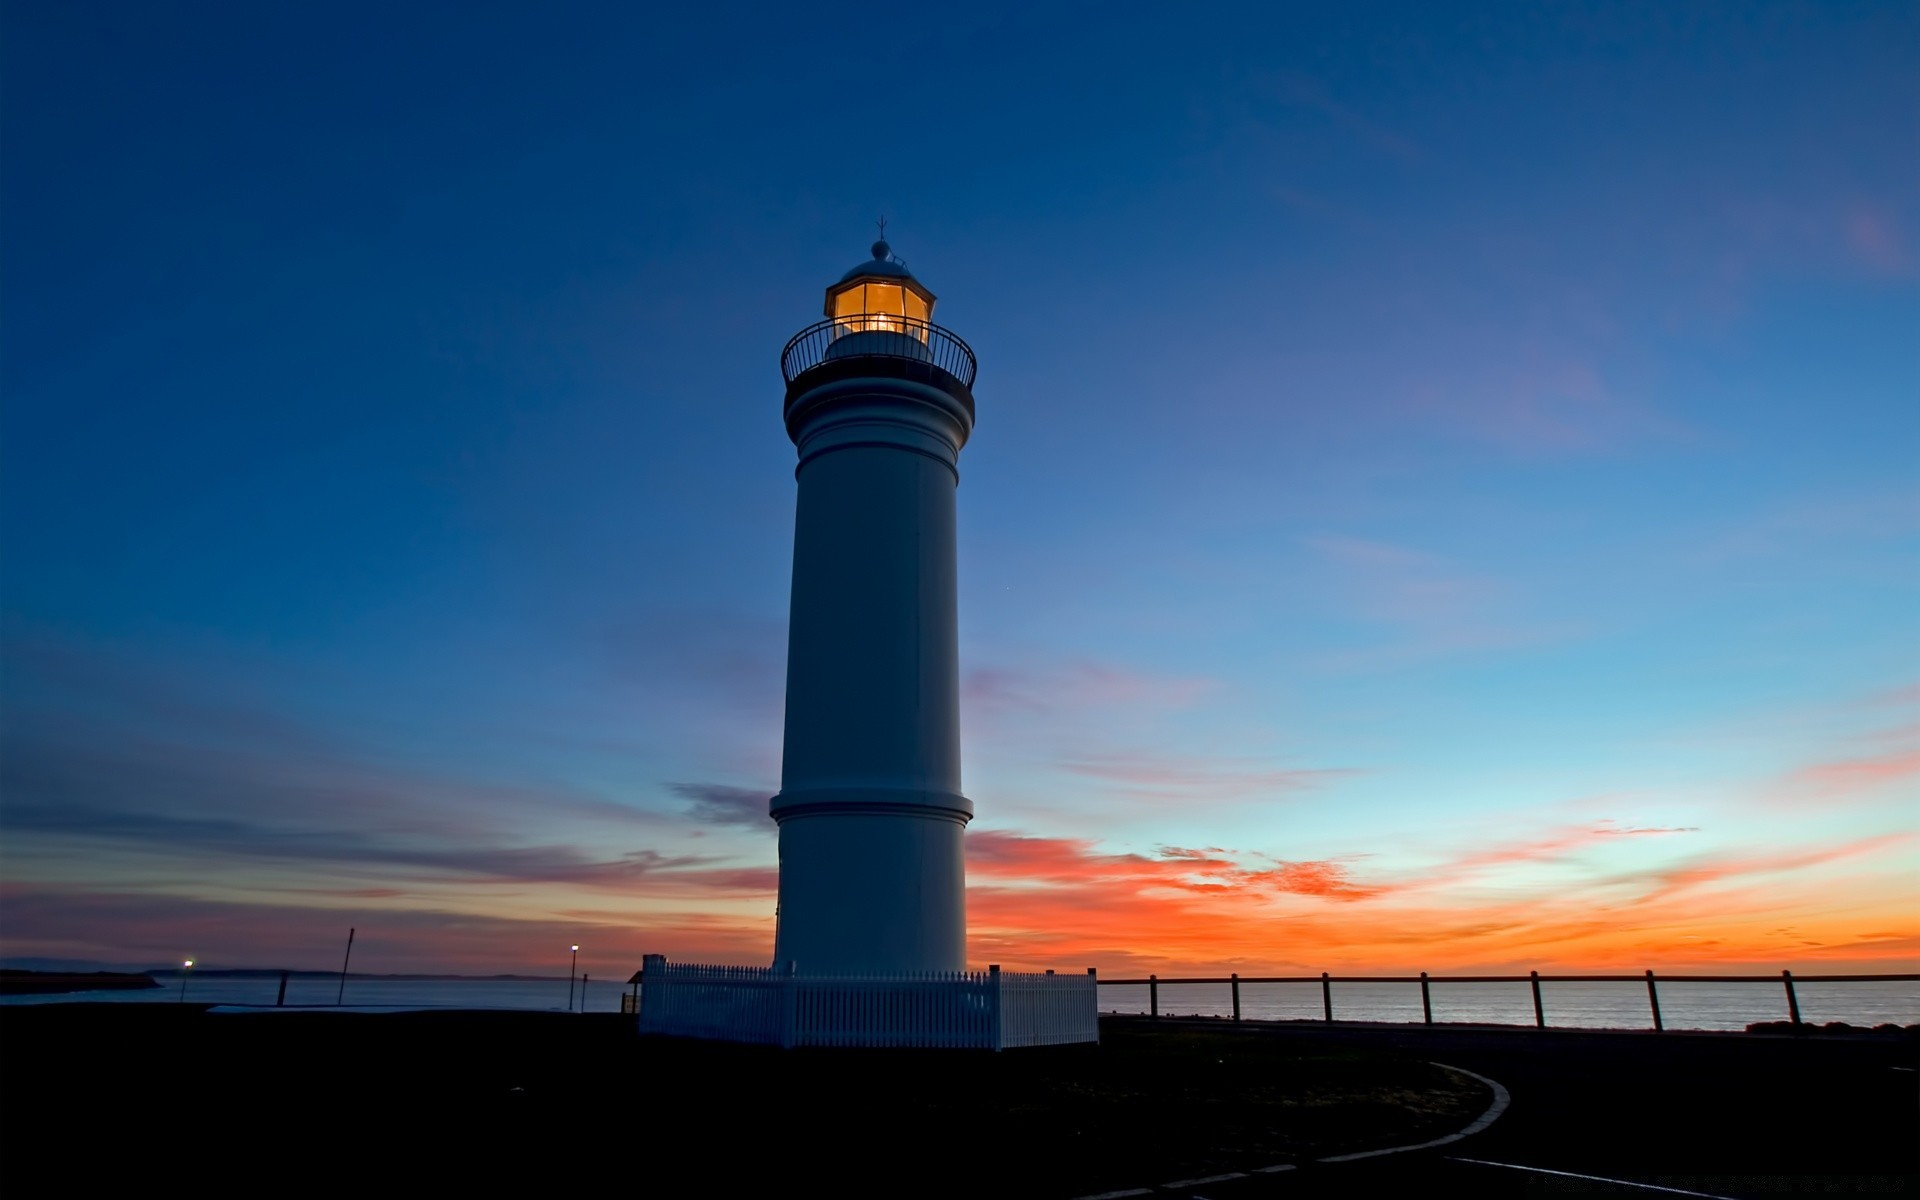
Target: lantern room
[880,296]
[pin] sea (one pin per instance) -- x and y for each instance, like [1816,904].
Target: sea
[1718,1006]
[1565,1005]
[384,992]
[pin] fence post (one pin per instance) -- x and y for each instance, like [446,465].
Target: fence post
[1539,1012]
[993,988]
[1236,995]
[282,997]
[789,1008]
[1153,996]
[653,975]
[1426,999]
[1653,1000]
[1326,995]
[1793,1001]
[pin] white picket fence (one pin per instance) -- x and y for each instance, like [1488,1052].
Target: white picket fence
[991,1009]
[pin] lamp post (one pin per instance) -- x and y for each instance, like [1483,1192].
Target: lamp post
[570,968]
[340,997]
[186,969]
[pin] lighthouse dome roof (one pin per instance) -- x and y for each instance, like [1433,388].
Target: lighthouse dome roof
[882,264]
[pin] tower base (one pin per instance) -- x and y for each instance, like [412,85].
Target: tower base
[981,1010]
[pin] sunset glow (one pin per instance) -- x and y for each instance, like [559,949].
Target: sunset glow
[1444,494]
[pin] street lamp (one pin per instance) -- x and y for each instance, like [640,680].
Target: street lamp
[570,968]
[186,968]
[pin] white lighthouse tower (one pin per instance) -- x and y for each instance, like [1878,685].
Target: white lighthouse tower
[871,946]
[879,403]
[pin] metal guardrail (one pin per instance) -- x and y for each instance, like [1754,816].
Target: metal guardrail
[879,336]
[1326,982]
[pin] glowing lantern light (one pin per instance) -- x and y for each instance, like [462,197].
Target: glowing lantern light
[880,296]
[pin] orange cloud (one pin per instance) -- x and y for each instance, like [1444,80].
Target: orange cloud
[1074,861]
[1667,881]
[1037,901]
[1047,901]
[1329,879]
[1858,774]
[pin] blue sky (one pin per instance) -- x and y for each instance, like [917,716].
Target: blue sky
[1441,471]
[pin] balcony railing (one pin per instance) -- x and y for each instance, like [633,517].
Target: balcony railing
[877,335]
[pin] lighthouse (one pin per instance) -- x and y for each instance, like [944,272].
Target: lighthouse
[870,945]
[879,403]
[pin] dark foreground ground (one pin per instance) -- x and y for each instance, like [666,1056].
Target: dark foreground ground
[168,1098]
[1719,1114]
[560,1101]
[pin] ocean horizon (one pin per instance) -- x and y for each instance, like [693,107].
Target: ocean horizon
[313,990]
[1621,1005]
[1698,1006]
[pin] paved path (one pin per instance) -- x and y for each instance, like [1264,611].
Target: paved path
[1729,1115]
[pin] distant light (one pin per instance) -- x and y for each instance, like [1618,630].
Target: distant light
[187,963]
[576,947]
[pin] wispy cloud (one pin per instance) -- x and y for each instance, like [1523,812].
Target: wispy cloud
[1006,855]
[1010,858]
[1313,204]
[1656,885]
[92,726]
[1075,686]
[1040,899]
[722,804]
[726,660]
[417,854]
[1876,241]
[118,773]
[383,854]
[1836,233]
[1907,696]
[1438,608]
[1331,880]
[1314,95]
[1795,526]
[1408,586]
[1113,725]
[1173,777]
[1551,847]
[1847,776]
[151,928]
[1550,406]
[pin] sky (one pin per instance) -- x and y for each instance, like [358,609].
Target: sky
[1446,492]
